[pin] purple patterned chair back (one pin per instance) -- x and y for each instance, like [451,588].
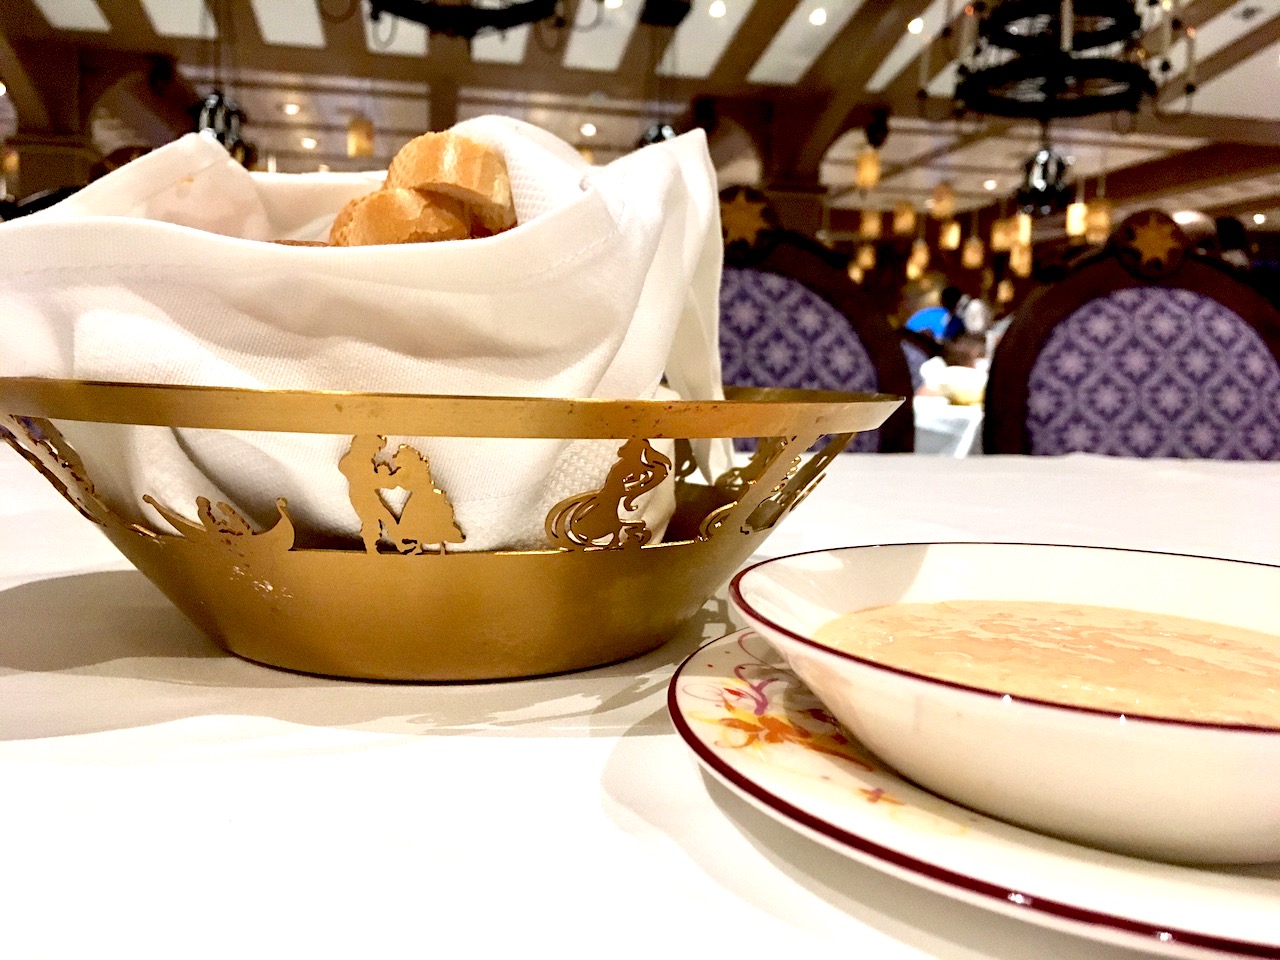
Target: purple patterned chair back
[1147,348]
[776,332]
[1155,372]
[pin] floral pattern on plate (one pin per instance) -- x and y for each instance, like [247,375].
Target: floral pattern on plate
[757,728]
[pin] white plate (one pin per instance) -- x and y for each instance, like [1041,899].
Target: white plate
[758,729]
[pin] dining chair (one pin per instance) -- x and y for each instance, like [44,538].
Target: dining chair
[1145,349]
[791,317]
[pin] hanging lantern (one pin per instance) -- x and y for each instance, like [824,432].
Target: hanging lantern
[1020,259]
[221,119]
[971,255]
[871,225]
[914,271]
[1098,221]
[867,172]
[943,206]
[855,273]
[587,154]
[1022,229]
[949,235]
[1076,214]
[866,256]
[904,219]
[360,136]
[1002,234]
[1004,291]
[919,254]
[9,163]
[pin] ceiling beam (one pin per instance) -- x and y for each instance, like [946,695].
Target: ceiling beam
[542,59]
[757,29]
[844,69]
[1225,59]
[1240,208]
[641,58]
[1199,169]
[27,100]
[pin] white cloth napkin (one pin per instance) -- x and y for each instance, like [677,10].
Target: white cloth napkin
[158,273]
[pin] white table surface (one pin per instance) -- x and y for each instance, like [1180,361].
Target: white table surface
[159,798]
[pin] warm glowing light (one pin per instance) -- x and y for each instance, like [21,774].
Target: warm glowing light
[291,109]
[588,129]
[919,255]
[916,26]
[1183,217]
[1076,215]
[1098,221]
[943,202]
[867,172]
[717,9]
[612,4]
[309,143]
[904,219]
[3,89]
[855,273]
[914,271]
[989,184]
[866,256]
[949,236]
[819,16]
[971,254]
[1022,229]
[1020,259]
[1002,234]
[1004,291]
[871,225]
[1259,218]
[360,134]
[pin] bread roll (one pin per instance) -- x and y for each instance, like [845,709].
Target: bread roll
[400,216]
[445,163]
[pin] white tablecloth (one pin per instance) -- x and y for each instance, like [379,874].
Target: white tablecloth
[160,799]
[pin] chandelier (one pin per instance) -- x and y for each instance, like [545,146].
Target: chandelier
[465,19]
[1046,59]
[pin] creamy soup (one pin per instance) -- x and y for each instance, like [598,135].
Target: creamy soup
[1103,657]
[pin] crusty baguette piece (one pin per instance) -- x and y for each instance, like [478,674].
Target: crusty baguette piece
[400,216]
[445,163]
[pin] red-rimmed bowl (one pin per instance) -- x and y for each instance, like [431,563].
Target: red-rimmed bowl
[1159,786]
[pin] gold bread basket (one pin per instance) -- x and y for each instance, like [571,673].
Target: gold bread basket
[411,609]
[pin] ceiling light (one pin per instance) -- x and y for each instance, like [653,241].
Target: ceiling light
[309,143]
[989,184]
[1185,216]
[588,129]
[3,89]
[1259,218]
[717,9]
[291,109]
[916,25]
[819,16]
[612,4]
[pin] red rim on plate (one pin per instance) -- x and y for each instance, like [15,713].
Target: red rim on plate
[876,854]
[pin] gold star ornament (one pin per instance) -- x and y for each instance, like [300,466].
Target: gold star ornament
[743,219]
[1150,245]
[1155,239]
